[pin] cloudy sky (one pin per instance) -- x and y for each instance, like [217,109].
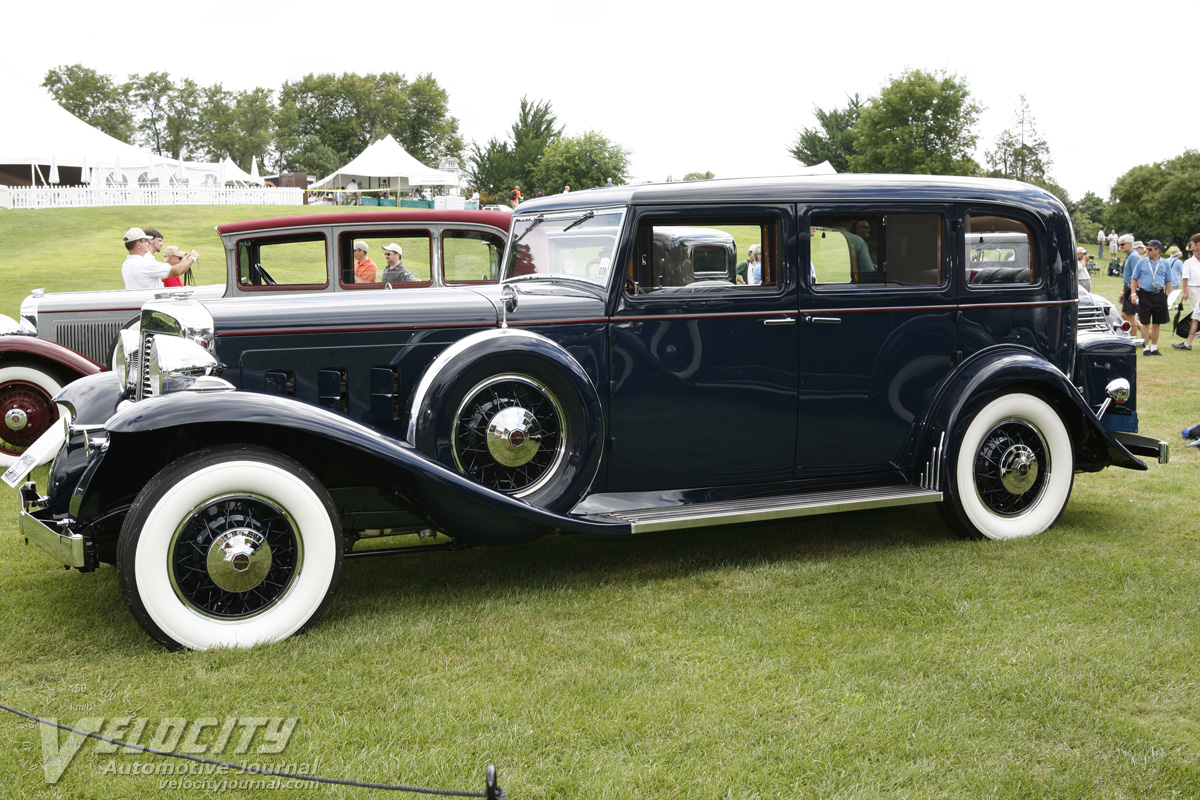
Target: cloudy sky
[684,86]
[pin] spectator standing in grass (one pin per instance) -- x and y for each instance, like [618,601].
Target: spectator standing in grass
[743,269]
[364,268]
[1112,244]
[1174,259]
[1128,309]
[173,255]
[140,270]
[1100,240]
[514,197]
[1151,283]
[1191,290]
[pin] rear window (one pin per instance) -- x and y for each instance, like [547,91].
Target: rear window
[999,250]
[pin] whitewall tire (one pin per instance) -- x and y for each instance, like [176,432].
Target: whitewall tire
[1013,471]
[229,547]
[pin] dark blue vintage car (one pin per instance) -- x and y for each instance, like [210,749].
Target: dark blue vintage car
[908,340]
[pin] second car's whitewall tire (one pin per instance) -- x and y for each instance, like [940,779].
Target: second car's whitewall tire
[174,496]
[1031,414]
[45,382]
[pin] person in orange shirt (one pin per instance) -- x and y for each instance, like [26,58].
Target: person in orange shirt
[365,270]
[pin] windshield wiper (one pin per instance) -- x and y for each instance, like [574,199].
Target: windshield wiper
[584,218]
[538,220]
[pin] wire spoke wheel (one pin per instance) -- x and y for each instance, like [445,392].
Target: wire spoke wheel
[1012,467]
[510,434]
[235,556]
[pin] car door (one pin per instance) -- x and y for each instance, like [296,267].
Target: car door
[703,369]
[876,334]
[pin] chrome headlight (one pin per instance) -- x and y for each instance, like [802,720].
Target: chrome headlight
[127,357]
[173,365]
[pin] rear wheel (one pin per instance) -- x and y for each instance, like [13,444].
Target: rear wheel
[229,547]
[1013,472]
[27,409]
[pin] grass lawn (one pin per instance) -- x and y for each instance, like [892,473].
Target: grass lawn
[866,655]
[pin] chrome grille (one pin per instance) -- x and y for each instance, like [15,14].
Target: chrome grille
[1091,318]
[144,388]
[92,339]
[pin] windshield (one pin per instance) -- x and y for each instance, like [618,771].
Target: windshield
[578,245]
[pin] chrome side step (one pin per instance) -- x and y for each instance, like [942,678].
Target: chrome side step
[729,512]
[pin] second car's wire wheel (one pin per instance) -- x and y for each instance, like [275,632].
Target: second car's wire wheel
[235,556]
[1012,467]
[509,434]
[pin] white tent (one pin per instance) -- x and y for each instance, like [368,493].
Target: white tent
[387,159]
[41,137]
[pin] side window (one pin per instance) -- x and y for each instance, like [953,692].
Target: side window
[999,250]
[471,256]
[893,249]
[297,260]
[688,256]
[374,268]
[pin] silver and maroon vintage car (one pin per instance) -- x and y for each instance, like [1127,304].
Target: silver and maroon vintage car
[241,451]
[306,254]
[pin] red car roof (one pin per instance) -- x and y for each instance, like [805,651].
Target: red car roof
[498,219]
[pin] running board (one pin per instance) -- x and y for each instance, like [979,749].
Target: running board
[730,512]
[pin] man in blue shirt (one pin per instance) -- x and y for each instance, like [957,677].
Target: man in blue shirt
[1150,285]
[1128,309]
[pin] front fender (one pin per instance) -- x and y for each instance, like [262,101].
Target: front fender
[995,371]
[200,408]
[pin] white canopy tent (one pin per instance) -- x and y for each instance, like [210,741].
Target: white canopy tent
[387,159]
[42,140]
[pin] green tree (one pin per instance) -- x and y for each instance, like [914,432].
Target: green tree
[920,123]
[698,176]
[166,113]
[426,130]
[96,99]
[833,141]
[238,126]
[499,165]
[1021,153]
[581,162]
[1159,201]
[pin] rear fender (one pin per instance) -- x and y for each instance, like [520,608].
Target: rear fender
[999,371]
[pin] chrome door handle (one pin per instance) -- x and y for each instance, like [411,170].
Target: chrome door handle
[812,319]
[780,321]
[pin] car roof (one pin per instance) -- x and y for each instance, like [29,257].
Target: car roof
[494,218]
[809,188]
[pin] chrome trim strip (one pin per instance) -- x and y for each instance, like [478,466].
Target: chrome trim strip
[769,508]
[67,548]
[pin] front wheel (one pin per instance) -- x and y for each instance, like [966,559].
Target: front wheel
[1013,471]
[229,547]
[27,409]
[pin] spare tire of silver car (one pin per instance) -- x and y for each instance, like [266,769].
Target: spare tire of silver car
[27,408]
[229,547]
[526,423]
[1013,471]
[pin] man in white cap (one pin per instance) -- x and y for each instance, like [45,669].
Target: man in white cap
[364,268]
[395,272]
[141,271]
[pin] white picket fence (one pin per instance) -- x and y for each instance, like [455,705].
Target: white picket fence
[78,196]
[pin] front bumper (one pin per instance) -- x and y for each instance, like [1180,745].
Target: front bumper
[53,536]
[1146,446]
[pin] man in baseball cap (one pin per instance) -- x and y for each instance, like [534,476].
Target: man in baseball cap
[1150,285]
[396,272]
[364,268]
[141,271]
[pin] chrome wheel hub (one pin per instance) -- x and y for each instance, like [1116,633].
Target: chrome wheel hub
[1018,469]
[16,419]
[514,436]
[239,560]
